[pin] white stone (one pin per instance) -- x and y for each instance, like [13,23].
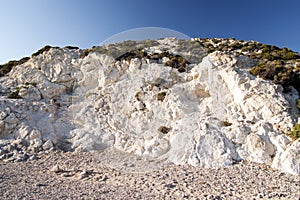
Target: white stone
[36,143]
[280,142]
[3,115]
[289,160]
[47,145]
[259,148]
[22,131]
[35,134]
[56,169]
[30,93]
[2,123]
[135,64]
[11,119]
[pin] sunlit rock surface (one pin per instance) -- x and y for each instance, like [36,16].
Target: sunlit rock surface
[212,115]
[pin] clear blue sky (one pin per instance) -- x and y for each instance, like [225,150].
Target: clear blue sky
[28,25]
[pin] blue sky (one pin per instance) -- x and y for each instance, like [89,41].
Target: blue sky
[28,25]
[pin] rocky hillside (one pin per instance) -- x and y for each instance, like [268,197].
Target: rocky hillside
[203,102]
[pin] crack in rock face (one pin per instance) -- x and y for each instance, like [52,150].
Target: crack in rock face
[211,114]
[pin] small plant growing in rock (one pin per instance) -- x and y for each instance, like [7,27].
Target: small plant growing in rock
[215,40]
[236,45]
[15,94]
[268,56]
[295,132]
[290,55]
[164,129]
[298,104]
[265,48]
[226,123]
[84,53]
[32,83]
[161,96]
[245,49]
[178,62]
[210,50]
[132,54]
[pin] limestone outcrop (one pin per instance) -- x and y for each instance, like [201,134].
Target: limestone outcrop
[212,113]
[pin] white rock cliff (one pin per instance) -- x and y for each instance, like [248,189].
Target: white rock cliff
[213,115]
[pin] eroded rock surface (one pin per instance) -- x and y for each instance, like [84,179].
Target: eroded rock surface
[213,113]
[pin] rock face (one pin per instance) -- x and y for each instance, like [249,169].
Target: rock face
[213,114]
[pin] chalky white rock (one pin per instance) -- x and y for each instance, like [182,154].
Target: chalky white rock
[213,115]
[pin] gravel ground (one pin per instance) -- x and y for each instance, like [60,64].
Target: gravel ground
[115,175]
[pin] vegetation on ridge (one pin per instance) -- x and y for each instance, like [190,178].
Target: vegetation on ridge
[6,68]
[280,65]
[71,47]
[139,53]
[278,73]
[118,49]
[42,50]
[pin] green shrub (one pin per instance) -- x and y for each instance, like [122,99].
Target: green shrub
[236,45]
[226,123]
[289,56]
[256,70]
[252,47]
[71,47]
[132,54]
[245,49]
[15,94]
[295,132]
[164,129]
[208,45]
[265,48]
[210,50]
[277,73]
[161,96]
[215,40]
[279,54]
[268,56]
[177,62]
[274,48]
[85,52]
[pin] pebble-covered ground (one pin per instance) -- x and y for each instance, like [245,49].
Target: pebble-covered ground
[115,175]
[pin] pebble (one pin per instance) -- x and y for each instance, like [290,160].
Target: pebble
[56,169]
[107,181]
